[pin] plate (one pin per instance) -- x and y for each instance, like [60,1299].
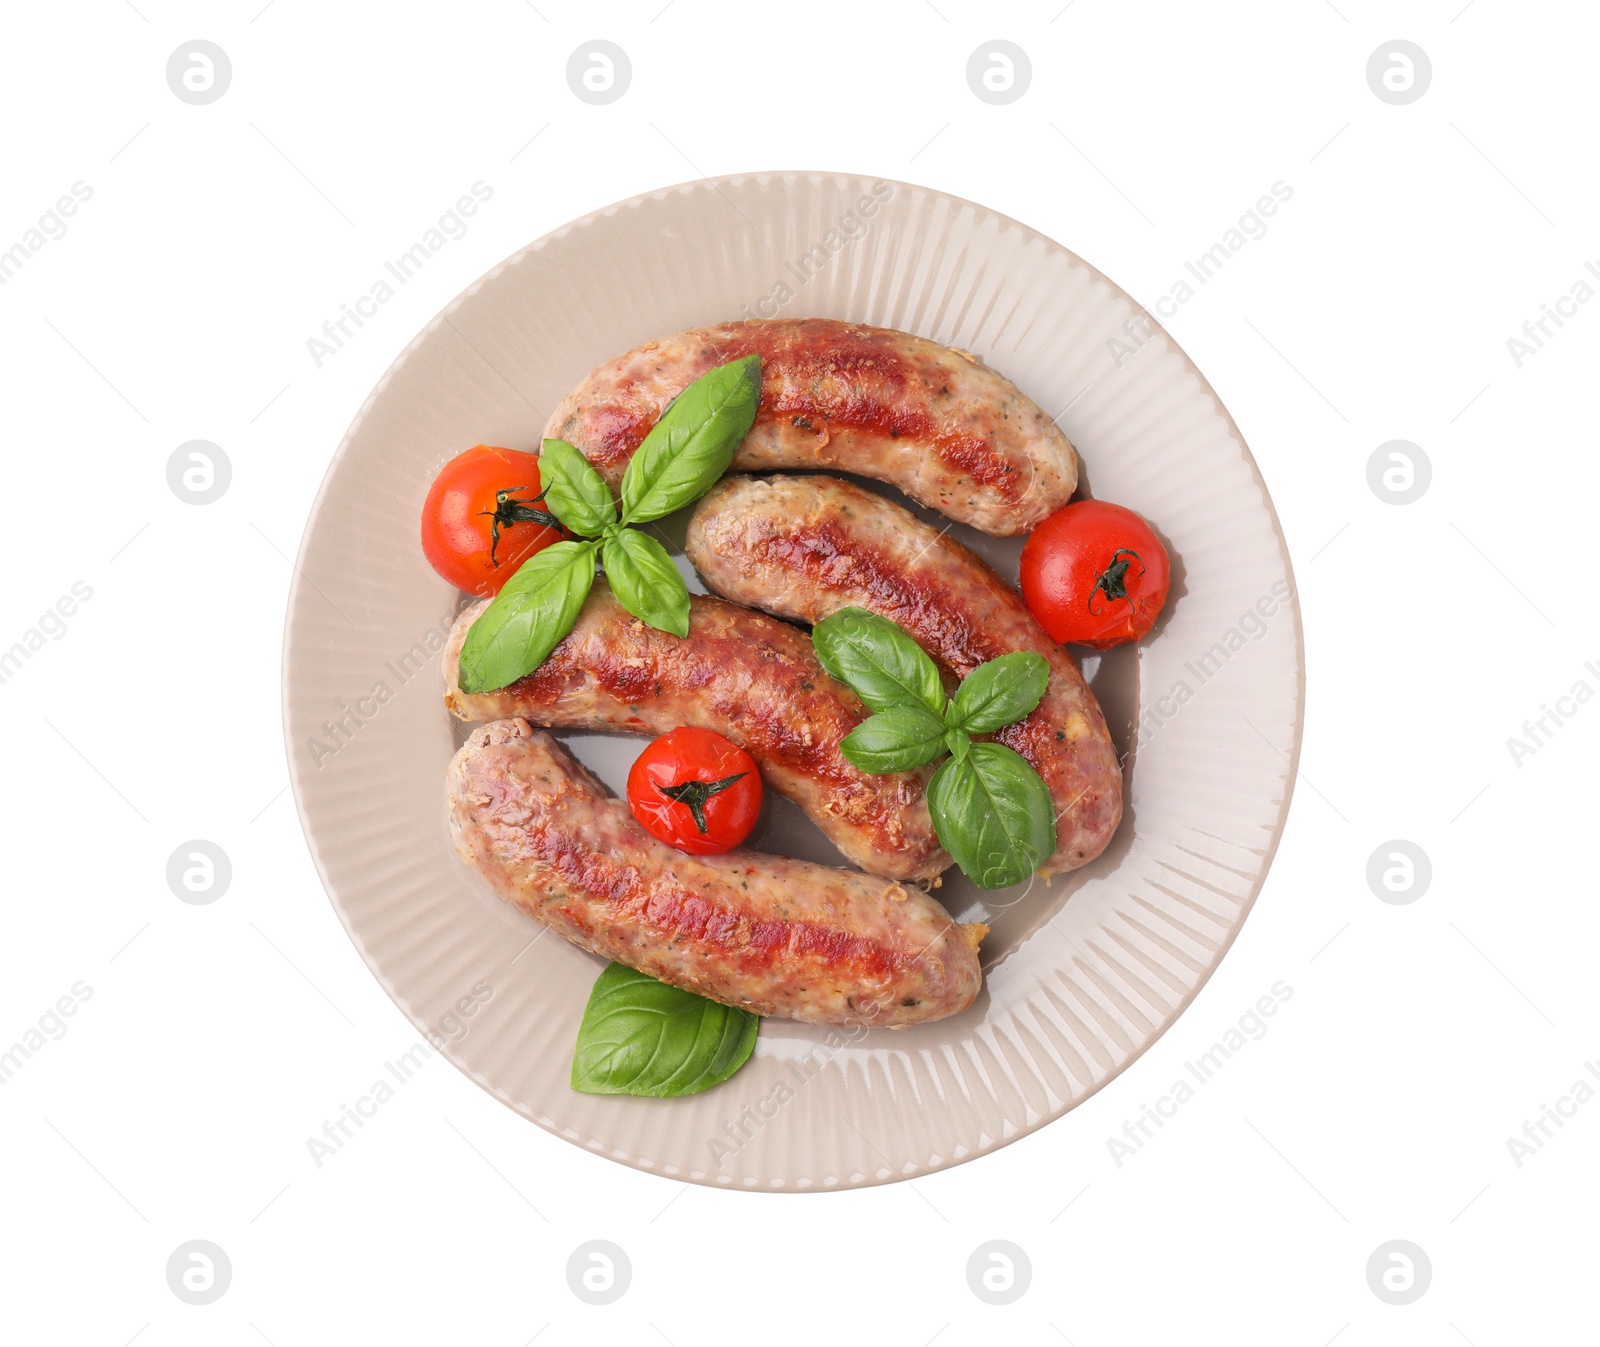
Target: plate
[1083,974]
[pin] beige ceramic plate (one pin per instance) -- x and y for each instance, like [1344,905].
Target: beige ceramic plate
[1082,975]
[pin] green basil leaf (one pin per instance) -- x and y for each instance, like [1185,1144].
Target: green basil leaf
[993,815]
[642,1037]
[895,740]
[693,442]
[877,661]
[528,617]
[1000,691]
[958,742]
[645,581]
[576,494]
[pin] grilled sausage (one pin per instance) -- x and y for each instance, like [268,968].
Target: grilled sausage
[740,673]
[804,547]
[765,933]
[937,423]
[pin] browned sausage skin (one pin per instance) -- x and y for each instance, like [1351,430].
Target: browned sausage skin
[943,427]
[804,547]
[765,933]
[746,676]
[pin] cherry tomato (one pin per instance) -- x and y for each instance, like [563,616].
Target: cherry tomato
[696,791]
[482,518]
[1094,574]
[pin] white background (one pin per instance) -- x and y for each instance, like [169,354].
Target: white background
[217,1039]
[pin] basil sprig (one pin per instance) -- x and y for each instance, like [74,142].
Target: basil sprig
[683,455]
[642,1037]
[990,809]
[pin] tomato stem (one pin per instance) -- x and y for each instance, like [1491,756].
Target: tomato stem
[508,511]
[1112,582]
[694,794]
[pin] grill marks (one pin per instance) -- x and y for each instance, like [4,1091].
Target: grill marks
[932,420]
[655,904]
[833,376]
[743,667]
[819,548]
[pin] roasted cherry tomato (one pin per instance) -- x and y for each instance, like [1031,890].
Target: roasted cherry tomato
[1094,574]
[696,791]
[483,518]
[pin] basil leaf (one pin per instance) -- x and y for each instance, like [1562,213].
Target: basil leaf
[576,494]
[993,815]
[895,740]
[958,742]
[877,661]
[642,1037]
[999,692]
[693,443]
[645,581]
[528,617]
